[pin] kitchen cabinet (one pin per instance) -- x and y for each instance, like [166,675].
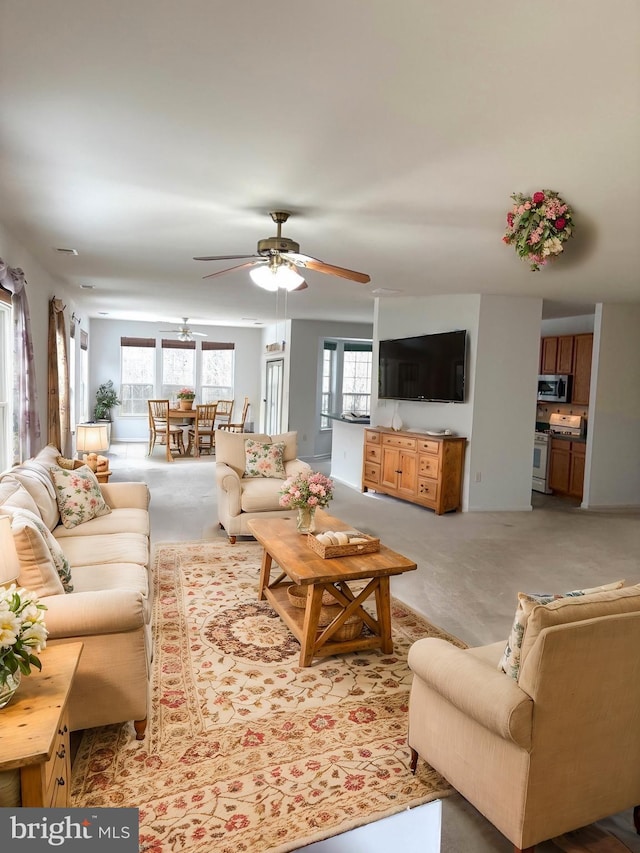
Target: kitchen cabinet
[566,467]
[556,355]
[414,467]
[582,353]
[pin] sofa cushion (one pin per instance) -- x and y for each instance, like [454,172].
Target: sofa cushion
[78,495]
[123,520]
[13,495]
[513,655]
[260,494]
[101,576]
[38,572]
[106,548]
[37,481]
[290,440]
[607,602]
[264,459]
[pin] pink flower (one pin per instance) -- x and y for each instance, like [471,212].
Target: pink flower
[560,223]
[538,198]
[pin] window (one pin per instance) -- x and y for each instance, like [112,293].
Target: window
[6,360]
[346,378]
[178,367]
[137,374]
[72,373]
[216,371]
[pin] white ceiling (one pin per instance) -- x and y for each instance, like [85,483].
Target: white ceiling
[144,132]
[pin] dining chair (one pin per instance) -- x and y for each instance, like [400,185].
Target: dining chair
[225,410]
[239,426]
[160,428]
[202,435]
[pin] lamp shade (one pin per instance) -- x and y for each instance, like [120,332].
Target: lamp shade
[9,563]
[272,277]
[91,438]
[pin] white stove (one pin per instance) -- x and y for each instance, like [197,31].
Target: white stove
[566,425]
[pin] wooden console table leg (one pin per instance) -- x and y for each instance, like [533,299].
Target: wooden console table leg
[265,574]
[310,626]
[383,605]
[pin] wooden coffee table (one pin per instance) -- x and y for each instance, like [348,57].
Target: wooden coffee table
[298,564]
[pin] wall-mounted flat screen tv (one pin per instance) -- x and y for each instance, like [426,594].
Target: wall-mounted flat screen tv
[425,367]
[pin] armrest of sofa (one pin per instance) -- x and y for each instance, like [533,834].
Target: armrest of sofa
[295,467]
[475,688]
[80,614]
[126,495]
[229,482]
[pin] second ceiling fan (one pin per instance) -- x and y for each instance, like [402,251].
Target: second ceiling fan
[277,262]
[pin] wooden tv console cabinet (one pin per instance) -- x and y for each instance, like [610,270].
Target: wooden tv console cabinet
[423,469]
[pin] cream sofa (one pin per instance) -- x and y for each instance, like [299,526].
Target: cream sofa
[109,610]
[554,750]
[242,498]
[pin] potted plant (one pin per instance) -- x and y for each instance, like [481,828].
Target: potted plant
[186,396]
[106,399]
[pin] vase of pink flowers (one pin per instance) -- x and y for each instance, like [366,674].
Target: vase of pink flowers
[306,492]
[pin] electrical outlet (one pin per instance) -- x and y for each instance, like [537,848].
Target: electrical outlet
[478,477]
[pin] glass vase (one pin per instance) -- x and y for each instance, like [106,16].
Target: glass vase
[306,521]
[9,683]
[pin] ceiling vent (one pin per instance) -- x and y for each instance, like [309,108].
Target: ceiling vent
[64,251]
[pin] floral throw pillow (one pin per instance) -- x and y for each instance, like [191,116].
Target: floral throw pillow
[264,460]
[78,495]
[512,656]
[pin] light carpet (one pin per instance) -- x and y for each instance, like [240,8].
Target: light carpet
[246,750]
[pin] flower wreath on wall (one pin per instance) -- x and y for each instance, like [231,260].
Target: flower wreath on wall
[537,226]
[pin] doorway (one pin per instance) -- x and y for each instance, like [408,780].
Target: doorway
[274,384]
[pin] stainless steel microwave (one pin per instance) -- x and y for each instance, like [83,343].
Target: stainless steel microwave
[555,389]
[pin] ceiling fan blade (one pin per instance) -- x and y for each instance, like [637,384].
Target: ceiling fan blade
[226,257]
[200,334]
[320,266]
[237,267]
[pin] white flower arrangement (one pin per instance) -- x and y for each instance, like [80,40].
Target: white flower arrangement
[23,633]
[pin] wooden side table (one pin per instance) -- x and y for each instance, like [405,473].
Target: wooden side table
[34,735]
[103,476]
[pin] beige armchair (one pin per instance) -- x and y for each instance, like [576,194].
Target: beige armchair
[242,498]
[555,750]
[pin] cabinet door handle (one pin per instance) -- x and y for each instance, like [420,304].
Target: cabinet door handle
[61,752]
[60,781]
[63,730]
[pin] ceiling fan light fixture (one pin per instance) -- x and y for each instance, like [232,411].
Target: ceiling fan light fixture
[274,277]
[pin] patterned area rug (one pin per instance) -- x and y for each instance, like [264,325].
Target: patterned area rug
[245,750]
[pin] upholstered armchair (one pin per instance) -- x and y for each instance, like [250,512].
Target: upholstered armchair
[240,497]
[554,750]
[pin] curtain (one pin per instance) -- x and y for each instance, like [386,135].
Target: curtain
[58,431]
[26,424]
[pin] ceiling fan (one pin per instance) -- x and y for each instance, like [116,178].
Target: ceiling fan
[184,333]
[278,261]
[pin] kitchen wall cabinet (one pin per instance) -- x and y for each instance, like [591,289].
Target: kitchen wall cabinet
[566,467]
[583,350]
[408,465]
[556,354]
[571,355]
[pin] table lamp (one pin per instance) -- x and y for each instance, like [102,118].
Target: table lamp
[91,438]
[9,562]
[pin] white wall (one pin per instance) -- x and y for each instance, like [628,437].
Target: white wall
[582,324]
[504,403]
[498,415]
[304,352]
[104,364]
[613,440]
